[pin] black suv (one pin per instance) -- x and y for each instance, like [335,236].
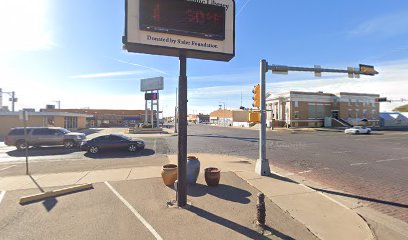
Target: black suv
[43,136]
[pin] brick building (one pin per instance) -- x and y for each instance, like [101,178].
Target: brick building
[111,117]
[309,109]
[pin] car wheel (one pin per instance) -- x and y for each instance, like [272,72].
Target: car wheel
[93,149]
[69,144]
[132,148]
[357,132]
[368,132]
[21,145]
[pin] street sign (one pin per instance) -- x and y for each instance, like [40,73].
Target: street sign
[368,69]
[196,29]
[151,84]
[151,96]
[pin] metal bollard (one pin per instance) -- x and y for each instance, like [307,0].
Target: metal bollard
[260,210]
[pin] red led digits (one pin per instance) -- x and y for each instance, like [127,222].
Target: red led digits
[156,11]
[200,17]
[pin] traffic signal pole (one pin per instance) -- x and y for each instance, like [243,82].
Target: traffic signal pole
[262,164]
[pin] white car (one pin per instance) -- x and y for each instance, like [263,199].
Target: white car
[358,130]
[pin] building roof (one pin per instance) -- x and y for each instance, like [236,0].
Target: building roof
[221,113]
[103,111]
[62,114]
[393,116]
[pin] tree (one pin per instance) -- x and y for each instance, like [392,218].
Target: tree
[403,108]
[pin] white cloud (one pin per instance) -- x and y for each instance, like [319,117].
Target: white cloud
[24,26]
[388,25]
[108,74]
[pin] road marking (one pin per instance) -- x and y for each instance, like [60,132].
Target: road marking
[391,159]
[136,213]
[356,164]
[343,152]
[2,193]
[7,167]
[305,171]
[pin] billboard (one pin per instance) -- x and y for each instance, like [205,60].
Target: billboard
[203,29]
[151,84]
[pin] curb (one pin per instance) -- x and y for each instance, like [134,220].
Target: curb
[54,193]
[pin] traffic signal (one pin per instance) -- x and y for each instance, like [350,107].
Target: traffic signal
[381,99]
[257,96]
[255,117]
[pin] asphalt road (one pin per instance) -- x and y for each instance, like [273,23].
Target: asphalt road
[372,168]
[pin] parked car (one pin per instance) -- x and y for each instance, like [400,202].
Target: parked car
[358,130]
[111,142]
[43,136]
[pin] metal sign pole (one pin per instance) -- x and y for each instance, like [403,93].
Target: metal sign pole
[182,135]
[145,109]
[262,164]
[175,114]
[158,112]
[25,139]
[151,111]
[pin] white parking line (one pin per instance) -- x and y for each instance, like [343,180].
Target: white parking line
[392,159]
[136,213]
[356,164]
[305,171]
[7,167]
[340,152]
[2,193]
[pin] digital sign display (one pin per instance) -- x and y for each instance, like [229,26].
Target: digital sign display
[151,96]
[183,18]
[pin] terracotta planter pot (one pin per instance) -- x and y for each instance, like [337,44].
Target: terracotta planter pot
[169,174]
[212,176]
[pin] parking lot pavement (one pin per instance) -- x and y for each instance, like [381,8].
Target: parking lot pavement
[137,209]
[91,214]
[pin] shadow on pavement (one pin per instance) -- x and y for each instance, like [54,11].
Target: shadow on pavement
[247,139]
[249,233]
[395,204]
[222,191]
[281,178]
[42,151]
[120,154]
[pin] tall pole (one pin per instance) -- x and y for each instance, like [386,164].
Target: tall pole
[158,111]
[182,135]
[1,100]
[145,110]
[25,139]
[175,113]
[151,112]
[262,164]
[13,95]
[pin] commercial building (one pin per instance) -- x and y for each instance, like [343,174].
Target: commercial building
[111,117]
[393,119]
[311,109]
[221,117]
[70,121]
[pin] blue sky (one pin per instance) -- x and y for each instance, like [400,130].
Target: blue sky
[71,50]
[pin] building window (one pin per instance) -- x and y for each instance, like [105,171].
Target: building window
[364,113]
[349,103]
[71,122]
[349,113]
[296,114]
[296,103]
[374,115]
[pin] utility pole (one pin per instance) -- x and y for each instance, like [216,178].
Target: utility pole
[13,100]
[1,100]
[59,103]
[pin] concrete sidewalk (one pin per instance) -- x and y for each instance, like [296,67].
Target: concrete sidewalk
[323,216]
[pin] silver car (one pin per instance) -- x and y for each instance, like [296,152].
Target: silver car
[43,136]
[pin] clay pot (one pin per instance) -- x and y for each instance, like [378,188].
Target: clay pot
[212,176]
[169,174]
[193,169]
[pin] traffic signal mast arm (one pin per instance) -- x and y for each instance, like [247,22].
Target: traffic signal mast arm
[363,70]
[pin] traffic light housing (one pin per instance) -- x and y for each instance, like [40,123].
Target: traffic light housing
[381,99]
[254,117]
[257,96]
